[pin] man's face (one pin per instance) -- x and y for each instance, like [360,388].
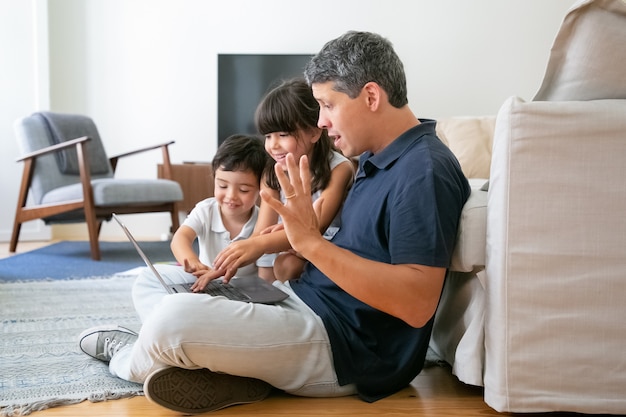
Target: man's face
[344,118]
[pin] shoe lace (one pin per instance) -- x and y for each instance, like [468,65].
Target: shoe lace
[112,346]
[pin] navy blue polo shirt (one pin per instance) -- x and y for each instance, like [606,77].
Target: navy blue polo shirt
[403,208]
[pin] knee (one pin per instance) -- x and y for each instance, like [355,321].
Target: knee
[145,279]
[168,317]
[288,266]
[267,274]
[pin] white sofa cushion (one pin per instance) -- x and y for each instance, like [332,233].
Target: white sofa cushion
[469,249]
[583,65]
[556,258]
[458,330]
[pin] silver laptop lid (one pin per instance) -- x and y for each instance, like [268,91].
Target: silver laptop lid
[142,254]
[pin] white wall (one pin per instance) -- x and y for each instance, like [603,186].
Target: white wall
[23,87]
[146,70]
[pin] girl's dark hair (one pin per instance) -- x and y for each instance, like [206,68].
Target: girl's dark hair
[242,153]
[291,107]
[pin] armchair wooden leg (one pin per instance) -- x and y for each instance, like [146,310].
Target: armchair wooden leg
[93,227]
[17,226]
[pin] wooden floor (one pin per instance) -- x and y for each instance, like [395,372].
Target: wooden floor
[435,392]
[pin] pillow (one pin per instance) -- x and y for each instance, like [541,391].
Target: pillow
[588,57]
[470,139]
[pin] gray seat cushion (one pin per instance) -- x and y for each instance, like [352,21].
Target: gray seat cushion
[115,192]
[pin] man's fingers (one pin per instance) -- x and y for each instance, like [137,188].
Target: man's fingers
[299,179]
[272,202]
[283,180]
[295,183]
[305,175]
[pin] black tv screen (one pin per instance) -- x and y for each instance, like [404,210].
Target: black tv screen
[243,79]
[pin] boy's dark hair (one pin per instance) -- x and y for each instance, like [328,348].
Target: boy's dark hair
[288,108]
[241,153]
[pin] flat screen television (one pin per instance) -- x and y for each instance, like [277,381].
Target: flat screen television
[243,79]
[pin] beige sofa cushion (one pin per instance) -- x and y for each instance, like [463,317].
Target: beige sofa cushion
[470,139]
[588,57]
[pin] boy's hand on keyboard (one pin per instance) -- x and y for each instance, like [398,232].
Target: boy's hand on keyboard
[192,266]
[203,277]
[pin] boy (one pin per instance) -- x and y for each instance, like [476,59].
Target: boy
[228,216]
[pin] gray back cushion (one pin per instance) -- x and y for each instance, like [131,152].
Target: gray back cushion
[64,127]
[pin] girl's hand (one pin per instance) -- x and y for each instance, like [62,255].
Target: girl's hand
[272,228]
[203,277]
[236,255]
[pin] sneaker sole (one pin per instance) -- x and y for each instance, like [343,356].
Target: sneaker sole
[199,391]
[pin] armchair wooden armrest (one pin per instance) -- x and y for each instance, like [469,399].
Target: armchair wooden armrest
[167,167]
[54,148]
[44,210]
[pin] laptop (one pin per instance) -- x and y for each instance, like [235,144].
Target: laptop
[247,289]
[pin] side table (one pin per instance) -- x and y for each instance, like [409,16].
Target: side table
[196,180]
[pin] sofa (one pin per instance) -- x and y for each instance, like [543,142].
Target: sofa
[535,297]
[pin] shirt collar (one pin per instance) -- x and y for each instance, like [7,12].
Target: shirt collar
[217,225]
[395,149]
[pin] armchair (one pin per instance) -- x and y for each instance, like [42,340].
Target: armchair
[70,178]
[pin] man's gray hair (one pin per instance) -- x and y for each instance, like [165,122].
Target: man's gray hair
[356,58]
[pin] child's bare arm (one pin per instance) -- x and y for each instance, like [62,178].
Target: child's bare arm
[267,216]
[334,194]
[182,248]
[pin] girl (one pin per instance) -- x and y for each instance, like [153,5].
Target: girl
[287,117]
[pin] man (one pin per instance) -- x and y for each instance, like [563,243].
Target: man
[359,318]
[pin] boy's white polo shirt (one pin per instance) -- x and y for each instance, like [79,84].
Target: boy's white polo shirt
[206,220]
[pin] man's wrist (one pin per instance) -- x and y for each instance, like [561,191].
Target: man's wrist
[313,247]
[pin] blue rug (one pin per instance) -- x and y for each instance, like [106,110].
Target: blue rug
[72,259]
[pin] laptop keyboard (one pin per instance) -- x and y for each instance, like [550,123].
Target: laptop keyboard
[216,288]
